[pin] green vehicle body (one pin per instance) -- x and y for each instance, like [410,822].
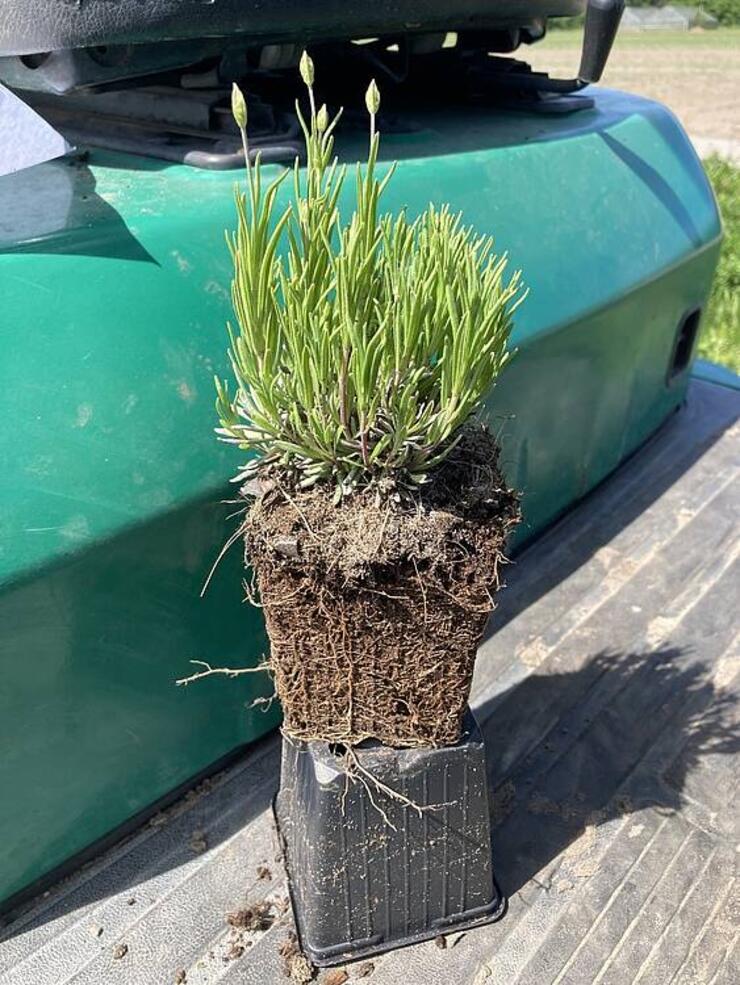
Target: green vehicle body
[115,287]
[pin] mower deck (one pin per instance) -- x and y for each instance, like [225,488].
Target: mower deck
[605,694]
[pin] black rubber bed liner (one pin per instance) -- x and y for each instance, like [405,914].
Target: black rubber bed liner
[31,26]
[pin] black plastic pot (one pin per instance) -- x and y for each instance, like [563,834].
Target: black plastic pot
[368,873]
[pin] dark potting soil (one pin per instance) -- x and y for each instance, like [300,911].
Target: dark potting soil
[375,606]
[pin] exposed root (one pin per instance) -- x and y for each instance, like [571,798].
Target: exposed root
[239,532]
[264,704]
[298,510]
[344,793]
[356,778]
[251,595]
[228,671]
[355,772]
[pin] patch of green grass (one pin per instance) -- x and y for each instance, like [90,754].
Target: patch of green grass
[722,37]
[720,337]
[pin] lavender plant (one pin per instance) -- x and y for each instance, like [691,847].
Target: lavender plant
[363,346]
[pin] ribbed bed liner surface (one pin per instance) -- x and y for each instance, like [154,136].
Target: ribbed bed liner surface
[607,693]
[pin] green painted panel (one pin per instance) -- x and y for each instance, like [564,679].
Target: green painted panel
[115,276]
[714,373]
[92,727]
[575,402]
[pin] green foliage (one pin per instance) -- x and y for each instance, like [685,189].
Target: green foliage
[720,337]
[726,11]
[565,23]
[362,353]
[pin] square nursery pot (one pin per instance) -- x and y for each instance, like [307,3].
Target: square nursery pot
[368,873]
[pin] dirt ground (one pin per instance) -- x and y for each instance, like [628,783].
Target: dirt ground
[696,74]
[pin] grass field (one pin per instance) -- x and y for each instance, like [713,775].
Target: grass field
[724,37]
[720,338]
[696,74]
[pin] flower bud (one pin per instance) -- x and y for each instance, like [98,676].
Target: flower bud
[322,119]
[238,107]
[306,67]
[372,98]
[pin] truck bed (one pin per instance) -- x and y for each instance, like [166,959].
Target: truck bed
[606,690]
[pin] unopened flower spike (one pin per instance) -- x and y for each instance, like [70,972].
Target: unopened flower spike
[322,119]
[306,67]
[372,98]
[238,107]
